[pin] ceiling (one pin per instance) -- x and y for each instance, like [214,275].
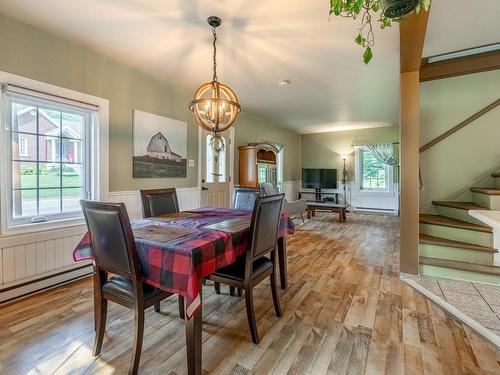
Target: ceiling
[460,24]
[260,43]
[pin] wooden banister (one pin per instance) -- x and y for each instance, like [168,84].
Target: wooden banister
[459,126]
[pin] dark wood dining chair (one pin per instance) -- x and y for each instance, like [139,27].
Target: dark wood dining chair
[244,197]
[114,249]
[260,261]
[156,202]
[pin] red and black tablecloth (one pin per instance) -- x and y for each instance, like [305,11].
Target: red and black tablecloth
[178,265]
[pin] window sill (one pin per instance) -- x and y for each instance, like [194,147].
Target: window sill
[376,192]
[42,227]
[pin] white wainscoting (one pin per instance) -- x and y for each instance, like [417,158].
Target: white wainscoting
[30,257]
[189,198]
[291,189]
[376,201]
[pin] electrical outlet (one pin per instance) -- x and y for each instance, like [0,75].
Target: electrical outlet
[191,163]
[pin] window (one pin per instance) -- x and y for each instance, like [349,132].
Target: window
[221,161]
[210,160]
[374,175]
[262,173]
[215,162]
[49,164]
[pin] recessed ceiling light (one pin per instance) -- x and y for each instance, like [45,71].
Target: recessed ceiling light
[284,82]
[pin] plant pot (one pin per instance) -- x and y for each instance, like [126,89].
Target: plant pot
[398,8]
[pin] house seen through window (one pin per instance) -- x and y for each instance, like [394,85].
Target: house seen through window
[49,162]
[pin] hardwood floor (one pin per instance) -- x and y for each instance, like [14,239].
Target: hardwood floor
[345,312]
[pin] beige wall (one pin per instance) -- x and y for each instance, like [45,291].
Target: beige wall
[323,150]
[250,128]
[39,55]
[459,161]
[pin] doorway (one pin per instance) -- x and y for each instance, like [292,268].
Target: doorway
[216,169]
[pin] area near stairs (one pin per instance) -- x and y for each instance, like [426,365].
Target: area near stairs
[454,244]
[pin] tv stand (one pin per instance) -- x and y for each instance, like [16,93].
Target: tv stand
[318,195]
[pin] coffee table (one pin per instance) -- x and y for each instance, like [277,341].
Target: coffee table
[327,206]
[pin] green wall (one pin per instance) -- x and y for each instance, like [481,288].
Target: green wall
[40,55]
[461,160]
[324,150]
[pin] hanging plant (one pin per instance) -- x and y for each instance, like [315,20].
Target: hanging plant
[390,11]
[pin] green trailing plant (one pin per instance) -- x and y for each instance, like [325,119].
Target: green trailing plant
[383,12]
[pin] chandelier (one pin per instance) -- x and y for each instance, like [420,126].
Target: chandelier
[215,105]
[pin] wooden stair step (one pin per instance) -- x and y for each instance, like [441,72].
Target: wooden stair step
[431,240]
[463,266]
[460,205]
[497,174]
[453,223]
[485,190]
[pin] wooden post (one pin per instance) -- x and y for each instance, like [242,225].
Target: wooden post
[410,137]
[411,42]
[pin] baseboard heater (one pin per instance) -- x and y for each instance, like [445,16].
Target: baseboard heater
[370,209]
[22,290]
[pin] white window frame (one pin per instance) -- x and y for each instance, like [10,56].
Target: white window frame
[210,162]
[217,168]
[389,175]
[280,163]
[98,149]
[23,146]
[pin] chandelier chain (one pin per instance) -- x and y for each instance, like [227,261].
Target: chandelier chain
[215,54]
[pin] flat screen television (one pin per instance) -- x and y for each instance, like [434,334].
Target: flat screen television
[315,178]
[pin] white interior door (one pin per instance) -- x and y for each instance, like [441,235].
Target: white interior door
[216,171]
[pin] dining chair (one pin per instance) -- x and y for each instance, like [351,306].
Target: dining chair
[115,252]
[260,261]
[244,197]
[156,202]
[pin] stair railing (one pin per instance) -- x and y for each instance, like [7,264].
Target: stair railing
[453,130]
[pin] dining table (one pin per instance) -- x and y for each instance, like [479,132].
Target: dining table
[178,250]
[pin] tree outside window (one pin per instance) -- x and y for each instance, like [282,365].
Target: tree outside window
[373,172]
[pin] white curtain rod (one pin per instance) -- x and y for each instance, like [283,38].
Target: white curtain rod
[368,143]
[16,89]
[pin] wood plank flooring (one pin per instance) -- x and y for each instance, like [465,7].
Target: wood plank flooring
[345,312]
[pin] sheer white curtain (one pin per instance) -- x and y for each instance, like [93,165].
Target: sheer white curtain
[384,153]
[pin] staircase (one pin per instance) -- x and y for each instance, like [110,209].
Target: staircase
[455,245]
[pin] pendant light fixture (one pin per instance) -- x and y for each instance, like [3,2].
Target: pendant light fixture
[215,105]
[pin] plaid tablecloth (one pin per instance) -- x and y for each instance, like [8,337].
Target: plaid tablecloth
[178,265]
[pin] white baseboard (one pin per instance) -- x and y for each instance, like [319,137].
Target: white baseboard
[18,291]
[375,211]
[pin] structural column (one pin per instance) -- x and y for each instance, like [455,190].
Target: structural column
[409,161]
[411,42]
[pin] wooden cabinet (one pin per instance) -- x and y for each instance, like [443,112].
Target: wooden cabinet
[248,166]
[257,164]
